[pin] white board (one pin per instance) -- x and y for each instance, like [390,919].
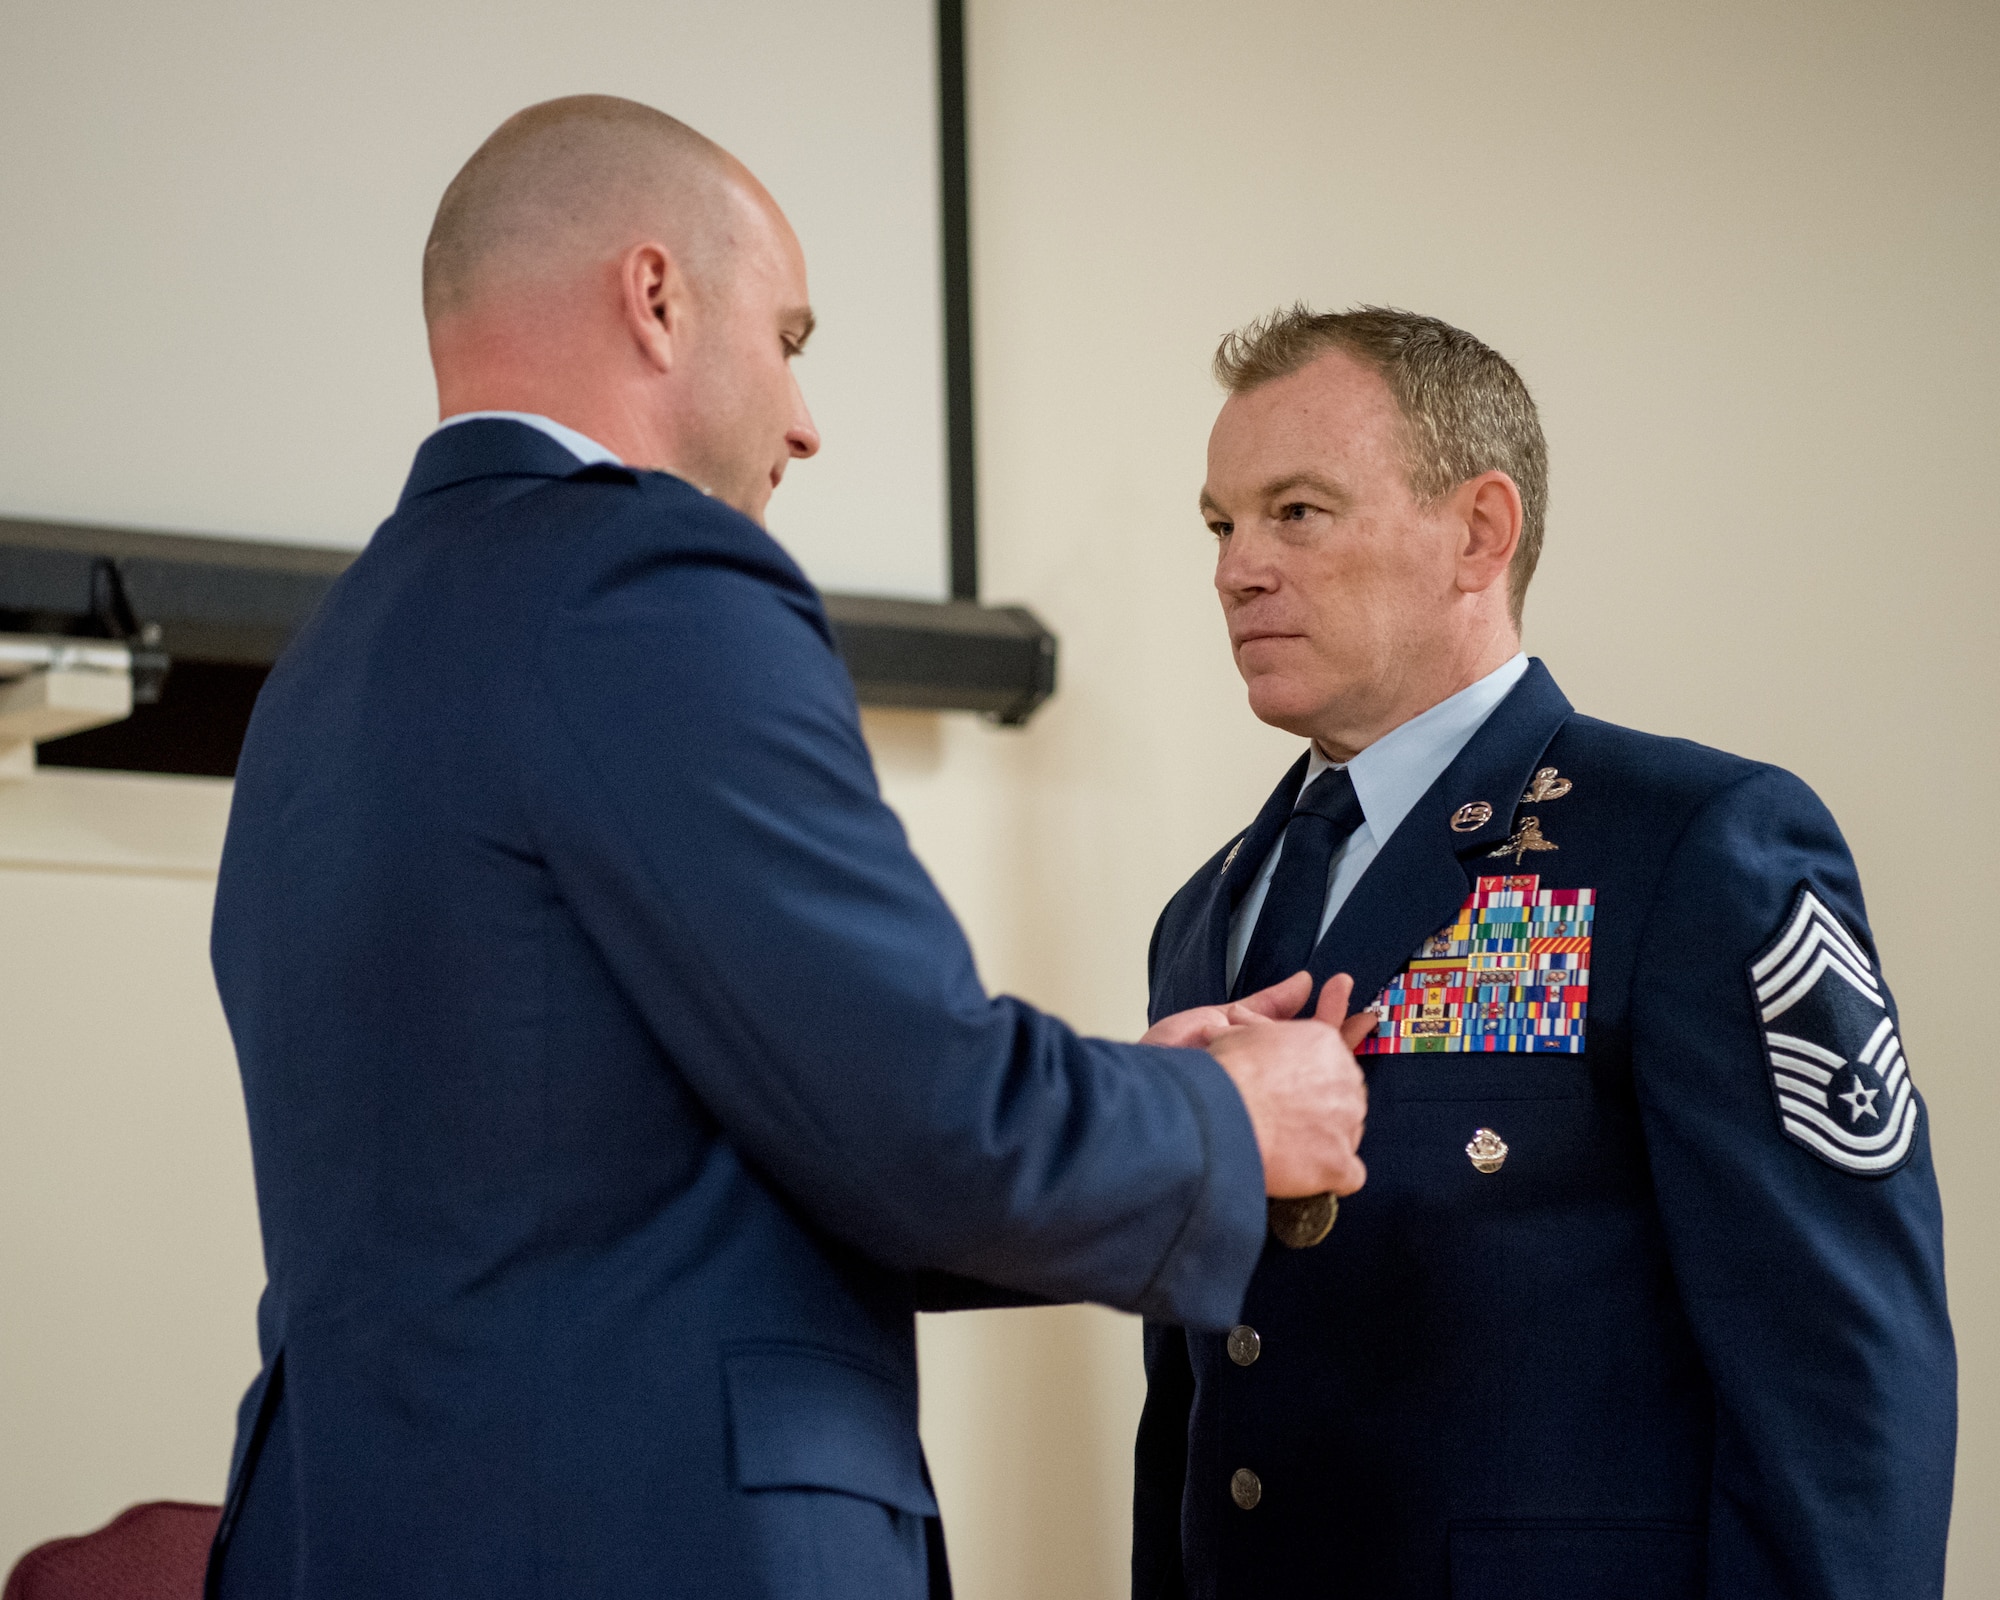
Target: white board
[212,217]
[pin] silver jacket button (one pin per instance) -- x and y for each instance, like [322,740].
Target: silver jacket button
[1244,1345]
[1488,1150]
[1245,1488]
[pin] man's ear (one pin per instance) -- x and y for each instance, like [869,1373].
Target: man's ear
[1488,511]
[653,295]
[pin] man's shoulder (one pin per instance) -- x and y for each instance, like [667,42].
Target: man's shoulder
[656,517]
[1689,813]
[1654,776]
[572,542]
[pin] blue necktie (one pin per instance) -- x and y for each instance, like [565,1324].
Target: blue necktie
[1288,925]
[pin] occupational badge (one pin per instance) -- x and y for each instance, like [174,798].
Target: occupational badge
[1511,974]
[1527,839]
[1549,784]
[1471,817]
[1837,1069]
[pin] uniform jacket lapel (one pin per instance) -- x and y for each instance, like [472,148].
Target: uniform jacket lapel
[1196,974]
[1422,875]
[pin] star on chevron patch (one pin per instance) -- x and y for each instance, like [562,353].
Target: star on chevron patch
[1837,1069]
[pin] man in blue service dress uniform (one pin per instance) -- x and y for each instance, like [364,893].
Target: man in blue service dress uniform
[618,1083]
[1644,1298]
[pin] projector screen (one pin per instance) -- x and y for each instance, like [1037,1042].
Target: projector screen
[215,214]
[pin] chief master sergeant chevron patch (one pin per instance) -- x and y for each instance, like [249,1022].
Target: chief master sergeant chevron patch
[1837,1067]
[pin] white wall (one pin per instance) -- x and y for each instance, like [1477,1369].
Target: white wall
[1742,253]
[129,1259]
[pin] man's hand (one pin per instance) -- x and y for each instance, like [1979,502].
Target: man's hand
[1306,1096]
[1194,1028]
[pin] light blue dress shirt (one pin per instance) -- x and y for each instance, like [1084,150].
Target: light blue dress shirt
[1390,776]
[581,445]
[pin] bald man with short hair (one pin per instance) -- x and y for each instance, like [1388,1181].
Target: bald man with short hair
[618,1083]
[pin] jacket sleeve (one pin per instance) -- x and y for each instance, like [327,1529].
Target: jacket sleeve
[1814,1286]
[709,811]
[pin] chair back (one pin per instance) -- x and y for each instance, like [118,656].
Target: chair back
[156,1551]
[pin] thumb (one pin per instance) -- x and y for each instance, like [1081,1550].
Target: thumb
[1280,1002]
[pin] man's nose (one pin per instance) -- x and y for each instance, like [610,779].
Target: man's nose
[1242,567]
[802,437]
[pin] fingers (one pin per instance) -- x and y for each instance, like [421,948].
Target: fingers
[1280,1002]
[1188,1030]
[1332,1008]
[1353,1174]
[1333,999]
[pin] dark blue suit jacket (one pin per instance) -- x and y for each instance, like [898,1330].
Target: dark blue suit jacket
[1671,1347]
[616,1077]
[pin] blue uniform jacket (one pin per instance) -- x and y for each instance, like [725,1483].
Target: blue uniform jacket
[1689,1337]
[618,1082]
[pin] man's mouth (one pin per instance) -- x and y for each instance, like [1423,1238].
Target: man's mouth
[1252,636]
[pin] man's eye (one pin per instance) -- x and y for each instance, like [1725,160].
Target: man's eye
[1297,511]
[1222,530]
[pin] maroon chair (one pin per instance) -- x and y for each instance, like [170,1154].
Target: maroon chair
[156,1551]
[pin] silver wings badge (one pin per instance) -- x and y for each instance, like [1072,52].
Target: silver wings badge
[1837,1068]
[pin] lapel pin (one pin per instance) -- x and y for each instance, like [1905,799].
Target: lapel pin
[1527,837]
[1471,817]
[1548,785]
[1488,1151]
[1230,859]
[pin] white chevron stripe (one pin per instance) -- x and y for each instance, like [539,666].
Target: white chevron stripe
[1810,910]
[1882,1031]
[1819,940]
[1798,1086]
[1806,1048]
[1780,1062]
[1823,962]
[1860,1143]
[1894,1076]
[1803,919]
[1879,1162]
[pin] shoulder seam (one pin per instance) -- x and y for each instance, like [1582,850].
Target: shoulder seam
[1759,771]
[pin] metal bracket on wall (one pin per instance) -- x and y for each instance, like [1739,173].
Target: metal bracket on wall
[54,687]
[223,609]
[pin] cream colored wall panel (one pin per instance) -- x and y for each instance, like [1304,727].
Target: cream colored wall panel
[128,1252]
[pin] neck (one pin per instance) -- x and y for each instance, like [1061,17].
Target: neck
[1419,683]
[555,371]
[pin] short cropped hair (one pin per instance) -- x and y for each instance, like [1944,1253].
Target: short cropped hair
[1465,409]
[565,179]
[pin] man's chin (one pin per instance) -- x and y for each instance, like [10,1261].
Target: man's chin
[1284,704]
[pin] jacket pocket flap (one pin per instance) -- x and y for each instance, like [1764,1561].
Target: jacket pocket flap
[803,1417]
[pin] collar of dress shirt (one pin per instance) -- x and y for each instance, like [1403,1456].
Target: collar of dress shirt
[581,445]
[1392,774]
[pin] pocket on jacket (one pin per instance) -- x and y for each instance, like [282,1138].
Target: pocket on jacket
[805,1417]
[1577,1560]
